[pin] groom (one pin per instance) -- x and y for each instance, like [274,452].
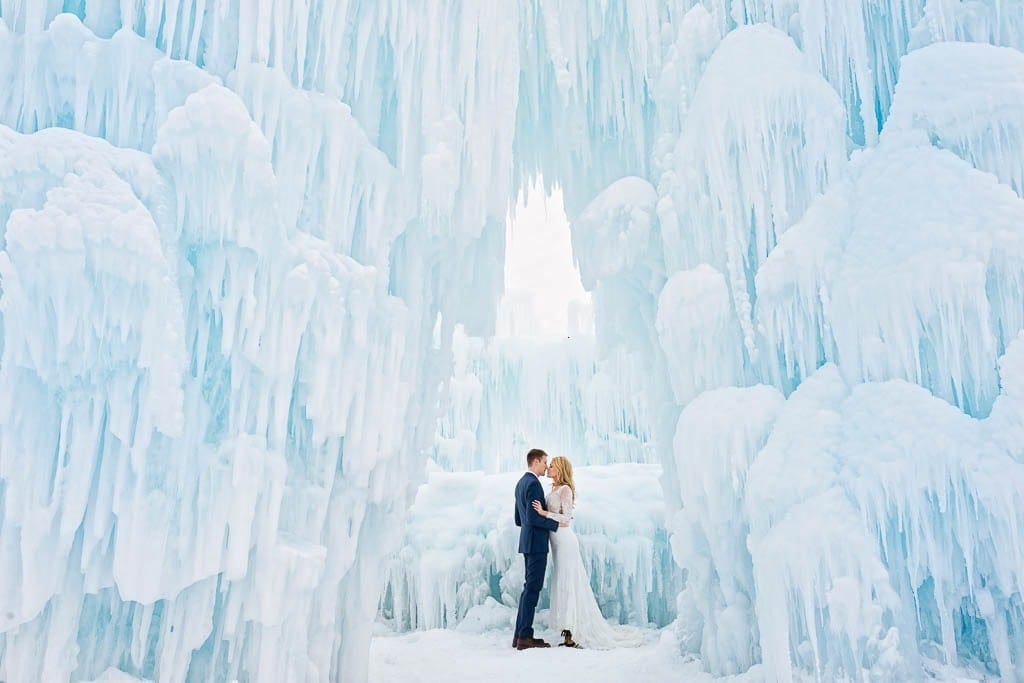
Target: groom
[533,544]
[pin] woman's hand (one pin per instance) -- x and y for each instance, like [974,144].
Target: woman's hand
[539,509]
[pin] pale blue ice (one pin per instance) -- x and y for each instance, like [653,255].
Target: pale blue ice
[250,250]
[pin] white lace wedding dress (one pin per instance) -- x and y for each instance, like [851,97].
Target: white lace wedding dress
[573,605]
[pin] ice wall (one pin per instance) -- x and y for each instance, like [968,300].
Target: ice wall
[219,374]
[189,425]
[829,314]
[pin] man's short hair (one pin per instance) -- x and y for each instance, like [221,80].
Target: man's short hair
[534,455]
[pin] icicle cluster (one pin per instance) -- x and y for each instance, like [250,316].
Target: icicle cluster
[912,272]
[508,395]
[975,111]
[757,147]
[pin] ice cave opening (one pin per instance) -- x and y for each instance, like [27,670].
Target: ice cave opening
[538,381]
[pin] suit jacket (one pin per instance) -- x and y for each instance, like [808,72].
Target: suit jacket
[533,528]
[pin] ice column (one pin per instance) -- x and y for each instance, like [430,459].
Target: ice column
[757,146]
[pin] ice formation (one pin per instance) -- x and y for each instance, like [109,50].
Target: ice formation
[236,240]
[508,394]
[832,348]
[910,268]
[212,390]
[948,109]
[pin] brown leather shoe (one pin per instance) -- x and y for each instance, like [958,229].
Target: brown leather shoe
[515,641]
[529,643]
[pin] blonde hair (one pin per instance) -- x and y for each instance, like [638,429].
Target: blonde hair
[564,467]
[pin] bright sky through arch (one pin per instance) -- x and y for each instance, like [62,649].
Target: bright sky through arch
[544,296]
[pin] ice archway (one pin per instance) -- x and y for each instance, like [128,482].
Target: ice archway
[236,238]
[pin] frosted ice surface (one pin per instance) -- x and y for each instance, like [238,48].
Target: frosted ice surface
[851,555]
[614,234]
[855,45]
[883,522]
[997,22]
[886,272]
[334,184]
[186,424]
[717,436]
[125,106]
[976,109]
[698,333]
[691,39]
[805,537]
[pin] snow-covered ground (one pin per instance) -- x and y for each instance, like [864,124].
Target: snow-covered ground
[446,655]
[432,656]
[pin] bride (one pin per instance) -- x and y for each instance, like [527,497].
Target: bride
[574,611]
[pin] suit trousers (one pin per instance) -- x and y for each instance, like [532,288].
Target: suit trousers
[536,564]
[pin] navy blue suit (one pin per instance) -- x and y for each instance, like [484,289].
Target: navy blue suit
[533,544]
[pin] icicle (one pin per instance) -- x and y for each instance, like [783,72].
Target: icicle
[997,22]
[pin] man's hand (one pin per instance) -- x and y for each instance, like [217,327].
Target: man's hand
[563,524]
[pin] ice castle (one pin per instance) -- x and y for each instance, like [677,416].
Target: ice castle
[238,238]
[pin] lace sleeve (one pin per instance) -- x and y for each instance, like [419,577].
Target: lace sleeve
[564,513]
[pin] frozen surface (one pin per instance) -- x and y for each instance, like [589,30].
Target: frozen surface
[830,326]
[996,22]
[110,294]
[698,333]
[206,366]
[489,658]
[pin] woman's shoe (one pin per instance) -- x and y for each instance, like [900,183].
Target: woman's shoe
[568,642]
